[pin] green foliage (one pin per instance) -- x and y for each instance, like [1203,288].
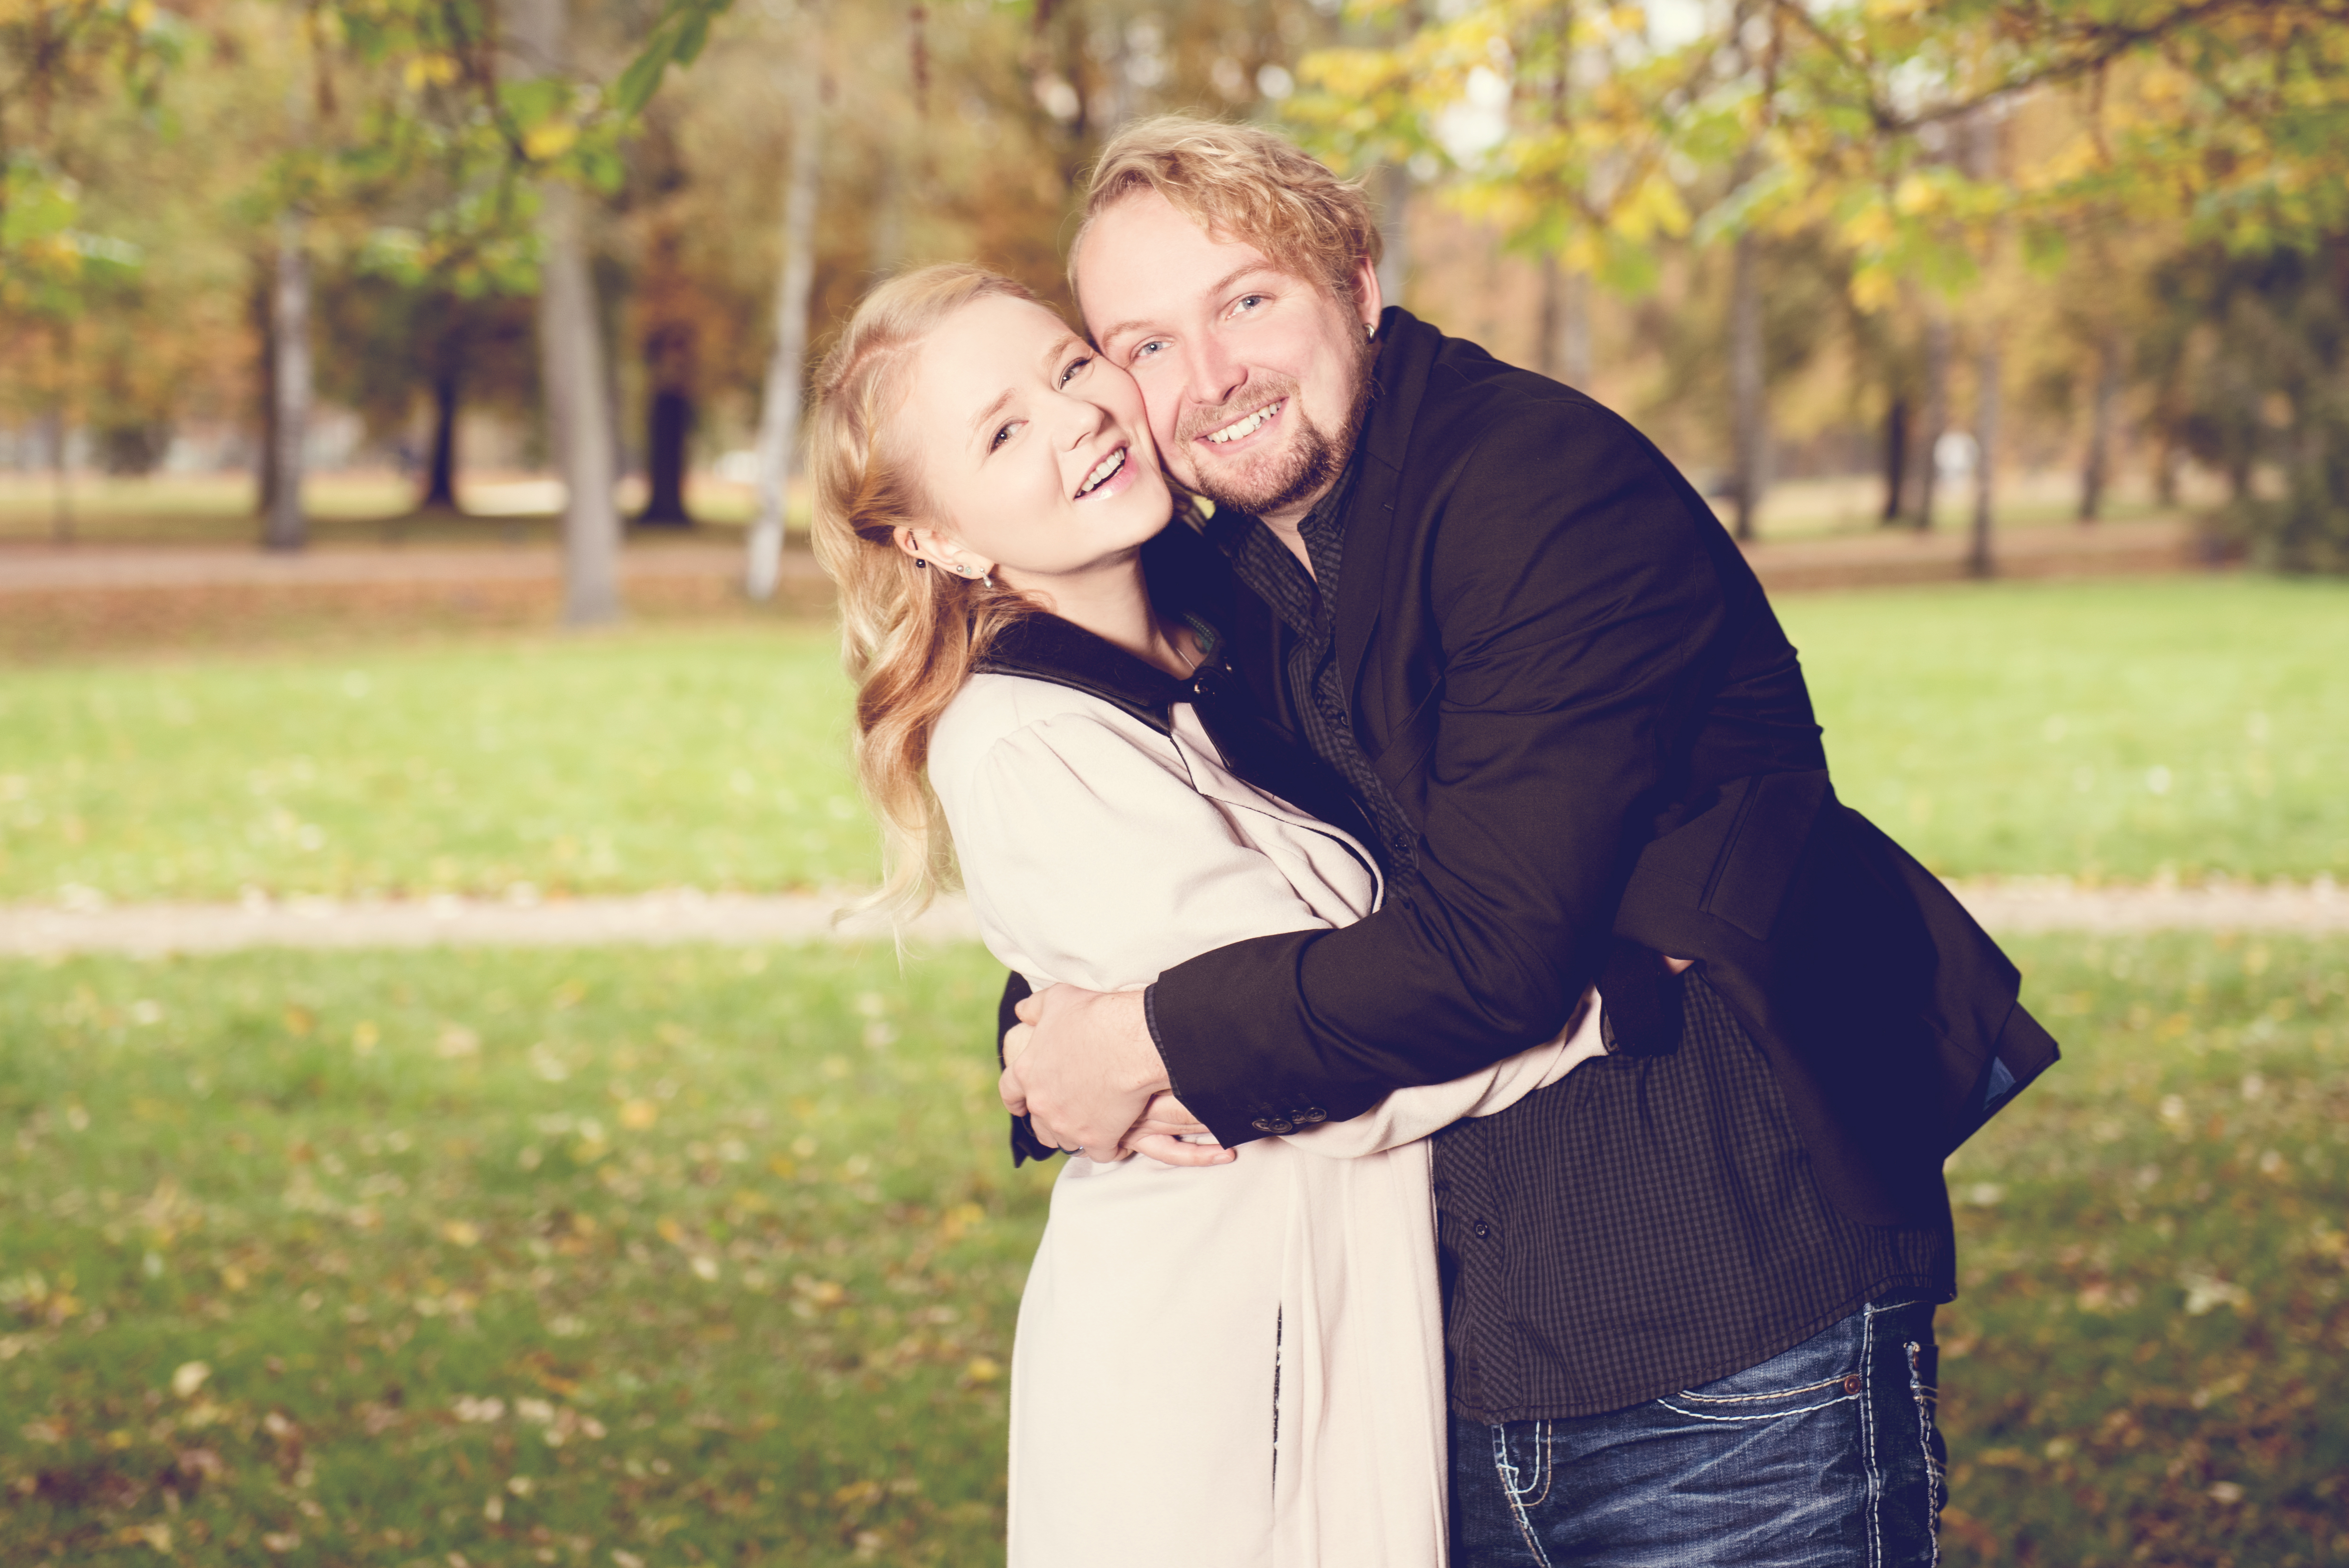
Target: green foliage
[717,1253]
[2117,730]
[716,760]
[633,1255]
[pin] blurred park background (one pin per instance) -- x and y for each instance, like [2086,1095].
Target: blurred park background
[355,356]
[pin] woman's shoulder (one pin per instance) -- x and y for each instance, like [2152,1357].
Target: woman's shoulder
[993,709]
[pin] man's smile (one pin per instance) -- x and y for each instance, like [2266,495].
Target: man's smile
[1247,424]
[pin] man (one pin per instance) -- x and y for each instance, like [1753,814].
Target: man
[1689,1289]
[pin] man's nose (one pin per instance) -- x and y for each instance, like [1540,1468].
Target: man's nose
[1213,374]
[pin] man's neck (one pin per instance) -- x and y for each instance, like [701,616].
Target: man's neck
[1288,525]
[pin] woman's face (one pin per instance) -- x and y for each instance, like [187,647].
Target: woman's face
[1037,451]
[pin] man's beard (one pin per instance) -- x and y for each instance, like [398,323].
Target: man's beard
[1311,463]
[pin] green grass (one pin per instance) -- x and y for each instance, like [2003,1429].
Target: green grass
[2115,729]
[694,1256]
[712,758]
[2014,728]
[737,1228]
[2144,1364]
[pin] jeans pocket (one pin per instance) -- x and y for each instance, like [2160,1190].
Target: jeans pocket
[1821,1371]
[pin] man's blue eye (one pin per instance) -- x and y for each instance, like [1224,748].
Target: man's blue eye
[1144,348]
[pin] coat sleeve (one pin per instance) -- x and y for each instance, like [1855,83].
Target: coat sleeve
[1577,608]
[1098,864]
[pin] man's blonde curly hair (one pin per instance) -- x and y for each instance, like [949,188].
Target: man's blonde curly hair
[1242,183]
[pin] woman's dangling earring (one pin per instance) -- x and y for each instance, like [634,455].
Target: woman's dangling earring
[989,579]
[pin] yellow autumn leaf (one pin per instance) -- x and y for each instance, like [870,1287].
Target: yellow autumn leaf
[550,140]
[638,1114]
[189,1376]
[463,1233]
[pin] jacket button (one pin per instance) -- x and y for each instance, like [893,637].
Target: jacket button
[1484,1231]
[1275,1125]
[1312,1114]
[1262,1124]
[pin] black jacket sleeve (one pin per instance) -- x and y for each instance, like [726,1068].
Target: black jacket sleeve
[1568,583]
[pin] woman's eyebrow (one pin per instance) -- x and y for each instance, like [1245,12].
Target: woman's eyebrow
[1002,400]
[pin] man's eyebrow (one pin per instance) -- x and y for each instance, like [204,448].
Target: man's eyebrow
[1218,286]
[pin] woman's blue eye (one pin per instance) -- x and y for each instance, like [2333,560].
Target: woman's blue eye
[1074,365]
[1003,434]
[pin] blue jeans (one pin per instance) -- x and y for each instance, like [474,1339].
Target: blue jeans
[1825,1457]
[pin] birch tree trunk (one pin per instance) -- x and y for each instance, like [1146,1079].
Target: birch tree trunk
[1982,163]
[1979,561]
[779,414]
[570,357]
[1934,418]
[283,527]
[1749,414]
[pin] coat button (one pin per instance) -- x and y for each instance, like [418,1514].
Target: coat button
[1275,1125]
[1262,1124]
[1312,1114]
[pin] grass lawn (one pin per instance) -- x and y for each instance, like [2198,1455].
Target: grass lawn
[2107,729]
[629,1257]
[2117,729]
[718,758]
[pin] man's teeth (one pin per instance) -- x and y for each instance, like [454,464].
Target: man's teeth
[1101,475]
[1247,427]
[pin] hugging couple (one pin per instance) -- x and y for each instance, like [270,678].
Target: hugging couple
[1504,1091]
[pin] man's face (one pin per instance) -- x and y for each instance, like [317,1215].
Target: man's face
[1251,373]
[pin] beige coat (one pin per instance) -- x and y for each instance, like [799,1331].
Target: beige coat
[1240,1365]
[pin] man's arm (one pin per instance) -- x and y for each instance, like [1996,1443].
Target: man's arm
[1580,614]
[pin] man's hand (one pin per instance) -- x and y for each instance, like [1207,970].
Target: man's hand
[1084,1071]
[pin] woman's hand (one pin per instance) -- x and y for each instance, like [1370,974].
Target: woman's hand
[1165,1134]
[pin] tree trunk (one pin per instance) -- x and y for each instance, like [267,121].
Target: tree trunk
[61,513]
[1565,347]
[2096,474]
[283,527]
[668,423]
[570,357]
[1395,213]
[1979,561]
[264,328]
[1896,459]
[1748,412]
[440,472]
[779,414]
[1938,352]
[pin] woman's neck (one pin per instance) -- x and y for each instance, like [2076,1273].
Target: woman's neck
[1114,604]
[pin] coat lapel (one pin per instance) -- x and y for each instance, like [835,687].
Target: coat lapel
[1406,354]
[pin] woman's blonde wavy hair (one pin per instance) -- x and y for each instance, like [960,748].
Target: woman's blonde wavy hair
[909,634]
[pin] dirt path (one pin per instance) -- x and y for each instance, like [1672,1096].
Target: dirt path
[1851,559]
[684,915]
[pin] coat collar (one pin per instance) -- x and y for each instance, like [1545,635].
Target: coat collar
[1046,648]
[1407,351]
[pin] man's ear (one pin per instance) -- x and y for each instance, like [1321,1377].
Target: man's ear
[1367,297]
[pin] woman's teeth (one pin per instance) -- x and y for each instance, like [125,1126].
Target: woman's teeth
[1247,427]
[1101,475]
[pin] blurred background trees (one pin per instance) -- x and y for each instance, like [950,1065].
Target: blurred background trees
[1936,244]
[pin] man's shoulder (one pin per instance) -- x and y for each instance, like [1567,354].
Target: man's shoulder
[1473,398]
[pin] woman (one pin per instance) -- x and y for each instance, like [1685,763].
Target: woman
[1224,1356]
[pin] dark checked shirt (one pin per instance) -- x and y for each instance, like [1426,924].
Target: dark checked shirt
[1647,1224]
[1307,602]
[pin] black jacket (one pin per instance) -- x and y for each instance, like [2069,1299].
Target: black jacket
[1569,677]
